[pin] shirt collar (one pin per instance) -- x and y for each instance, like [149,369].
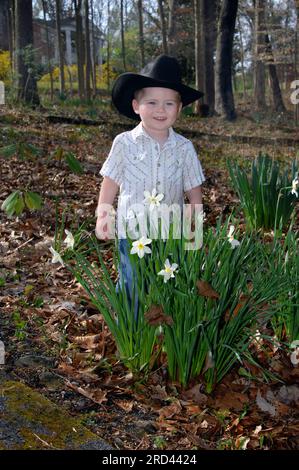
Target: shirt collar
[139,132]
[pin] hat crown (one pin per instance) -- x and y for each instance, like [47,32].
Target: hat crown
[163,68]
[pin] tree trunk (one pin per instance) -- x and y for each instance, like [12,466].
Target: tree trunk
[108,45]
[297,59]
[209,35]
[94,55]
[223,87]
[48,50]
[10,26]
[242,62]
[198,49]
[26,82]
[60,47]
[80,47]
[122,29]
[259,48]
[163,27]
[87,53]
[172,40]
[276,91]
[141,35]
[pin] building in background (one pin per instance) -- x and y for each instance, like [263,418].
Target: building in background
[68,30]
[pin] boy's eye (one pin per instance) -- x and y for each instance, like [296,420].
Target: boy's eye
[170,103]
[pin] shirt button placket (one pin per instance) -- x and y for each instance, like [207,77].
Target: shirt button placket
[158,153]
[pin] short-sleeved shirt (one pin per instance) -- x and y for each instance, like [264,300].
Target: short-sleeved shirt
[137,163]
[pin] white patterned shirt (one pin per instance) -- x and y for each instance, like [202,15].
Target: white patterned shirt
[137,163]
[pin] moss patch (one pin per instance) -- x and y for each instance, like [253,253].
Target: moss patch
[28,420]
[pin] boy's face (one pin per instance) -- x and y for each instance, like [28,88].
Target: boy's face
[158,107]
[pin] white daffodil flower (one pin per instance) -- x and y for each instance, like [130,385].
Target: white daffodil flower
[152,200]
[234,243]
[169,270]
[295,184]
[139,247]
[69,241]
[56,258]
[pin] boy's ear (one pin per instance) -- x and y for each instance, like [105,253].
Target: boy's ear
[180,107]
[135,106]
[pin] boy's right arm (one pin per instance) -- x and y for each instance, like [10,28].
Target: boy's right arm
[108,191]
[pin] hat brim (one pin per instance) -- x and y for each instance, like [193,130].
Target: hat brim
[127,83]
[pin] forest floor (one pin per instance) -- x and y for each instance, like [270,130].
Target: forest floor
[56,341]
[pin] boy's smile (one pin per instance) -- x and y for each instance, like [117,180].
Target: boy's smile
[158,109]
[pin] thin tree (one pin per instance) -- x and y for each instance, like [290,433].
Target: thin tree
[275,85]
[141,34]
[259,49]
[208,43]
[224,98]
[79,47]
[242,60]
[163,27]
[25,79]
[87,53]
[60,46]
[122,31]
[94,52]
[48,49]
[198,49]
[296,65]
[108,45]
[172,40]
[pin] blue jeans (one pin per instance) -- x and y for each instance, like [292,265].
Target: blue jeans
[127,274]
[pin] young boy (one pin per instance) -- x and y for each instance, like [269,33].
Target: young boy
[152,158]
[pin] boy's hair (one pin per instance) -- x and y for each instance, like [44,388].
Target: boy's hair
[139,93]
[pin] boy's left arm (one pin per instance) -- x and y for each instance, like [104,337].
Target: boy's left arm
[195,196]
[195,199]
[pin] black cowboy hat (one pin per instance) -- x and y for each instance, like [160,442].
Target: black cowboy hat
[163,72]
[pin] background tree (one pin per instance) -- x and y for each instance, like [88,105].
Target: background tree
[208,39]
[259,49]
[44,7]
[60,47]
[87,52]
[172,20]
[224,98]
[80,47]
[163,27]
[24,54]
[122,30]
[141,35]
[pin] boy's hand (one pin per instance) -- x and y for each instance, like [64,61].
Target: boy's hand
[105,225]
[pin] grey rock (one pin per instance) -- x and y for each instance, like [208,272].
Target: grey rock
[34,361]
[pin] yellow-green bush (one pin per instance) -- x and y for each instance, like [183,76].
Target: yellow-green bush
[4,66]
[102,76]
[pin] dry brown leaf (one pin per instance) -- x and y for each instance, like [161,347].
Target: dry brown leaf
[89,341]
[195,395]
[231,400]
[156,316]
[206,290]
[169,411]
[159,393]
[242,301]
[97,396]
[124,405]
